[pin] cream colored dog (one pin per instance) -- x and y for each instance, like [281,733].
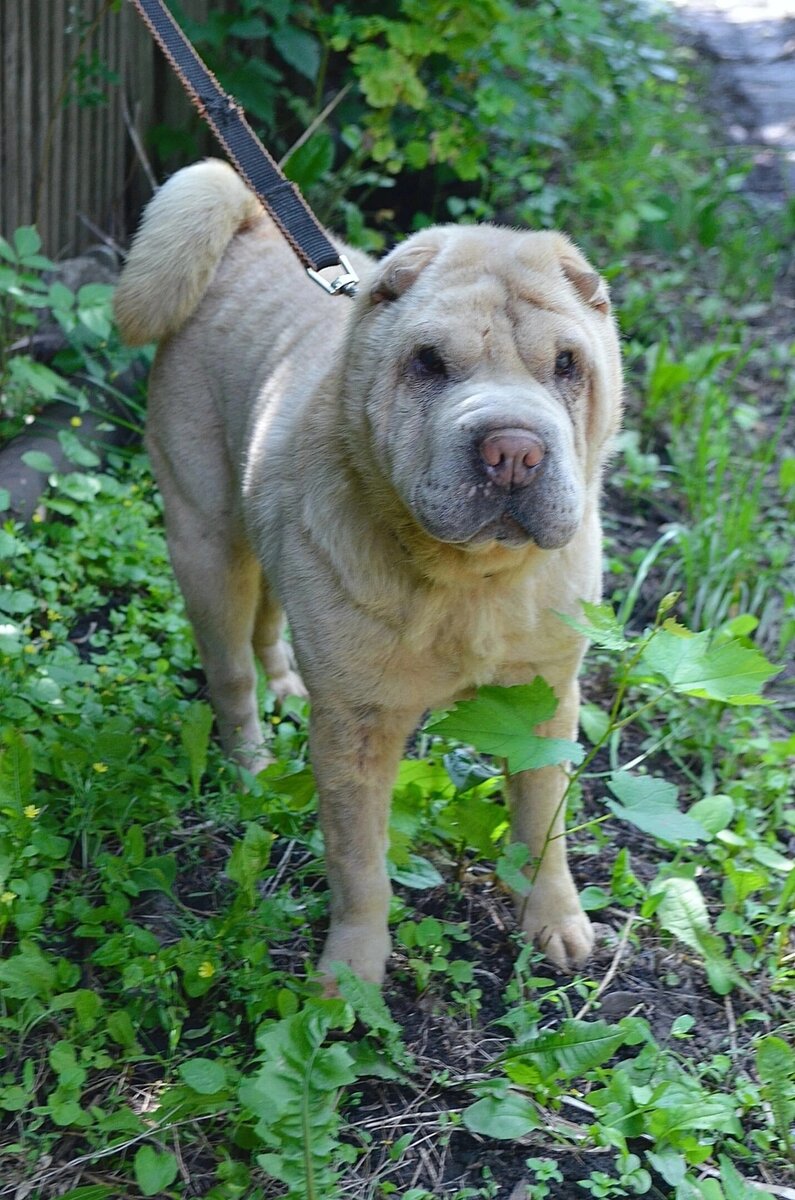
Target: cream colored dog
[414,477]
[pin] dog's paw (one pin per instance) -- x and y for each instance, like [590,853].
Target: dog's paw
[364,949]
[253,759]
[288,683]
[566,939]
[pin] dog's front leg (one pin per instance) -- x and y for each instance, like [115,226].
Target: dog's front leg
[551,915]
[355,757]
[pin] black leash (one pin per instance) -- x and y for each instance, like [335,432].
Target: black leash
[281,198]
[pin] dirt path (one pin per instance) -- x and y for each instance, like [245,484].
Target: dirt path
[751,44]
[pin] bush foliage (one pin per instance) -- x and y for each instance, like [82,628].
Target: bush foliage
[561,112]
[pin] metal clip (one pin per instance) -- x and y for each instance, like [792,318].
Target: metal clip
[346,282]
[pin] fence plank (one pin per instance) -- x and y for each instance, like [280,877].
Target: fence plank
[66,164]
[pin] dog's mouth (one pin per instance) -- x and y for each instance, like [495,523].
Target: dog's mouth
[472,515]
[505,529]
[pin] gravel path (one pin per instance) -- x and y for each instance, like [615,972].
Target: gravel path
[751,45]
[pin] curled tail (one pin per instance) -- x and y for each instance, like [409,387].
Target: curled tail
[183,235]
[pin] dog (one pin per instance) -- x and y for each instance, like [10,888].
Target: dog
[413,477]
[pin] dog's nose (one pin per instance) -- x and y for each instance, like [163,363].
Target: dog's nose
[511,456]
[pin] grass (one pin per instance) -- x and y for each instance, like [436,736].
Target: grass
[161,1033]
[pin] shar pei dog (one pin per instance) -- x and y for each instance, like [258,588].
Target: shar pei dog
[411,477]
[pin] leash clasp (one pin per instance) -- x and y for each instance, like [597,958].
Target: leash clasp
[346,282]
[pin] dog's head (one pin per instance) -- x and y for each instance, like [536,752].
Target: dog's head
[483,379]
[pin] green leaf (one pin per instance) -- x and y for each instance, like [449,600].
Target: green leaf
[500,721]
[595,723]
[80,487]
[15,1098]
[64,1111]
[572,1049]
[681,1106]
[682,910]
[249,27]
[311,161]
[366,1001]
[16,771]
[36,377]
[735,1187]
[683,913]
[713,813]
[154,1171]
[75,451]
[593,898]
[63,1060]
[38,461]
[473,822]
[691,663]
[27,974]
[94,308]
[205,1075]
[299,49]
[509,867]
[668,1163]
[121,1030]
[771,858]
[60,296]
[650,804]
[155,874]
[249,858]
[18,601]
[26,241]
[506,1117]
[371,1009]
[786,474]
[417,872]
[195,736]
[775,1063]
[295,1095]
[601,626]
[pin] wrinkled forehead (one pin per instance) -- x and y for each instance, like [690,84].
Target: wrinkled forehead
[516,310]
[500,270]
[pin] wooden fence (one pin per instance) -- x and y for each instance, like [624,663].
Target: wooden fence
[76,78]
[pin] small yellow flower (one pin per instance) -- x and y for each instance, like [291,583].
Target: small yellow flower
[46,635]
[31,811]
[30,649]
[53,614]
[100,767]
[37,518]
[8,897]
[206,970]
[76,422]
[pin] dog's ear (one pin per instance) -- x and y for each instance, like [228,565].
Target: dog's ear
[590,286]
[399,270]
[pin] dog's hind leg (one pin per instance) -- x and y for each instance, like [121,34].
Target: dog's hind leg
[272,650]
[220,581]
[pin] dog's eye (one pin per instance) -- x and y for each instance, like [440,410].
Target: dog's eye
[428,363]
[565,364]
